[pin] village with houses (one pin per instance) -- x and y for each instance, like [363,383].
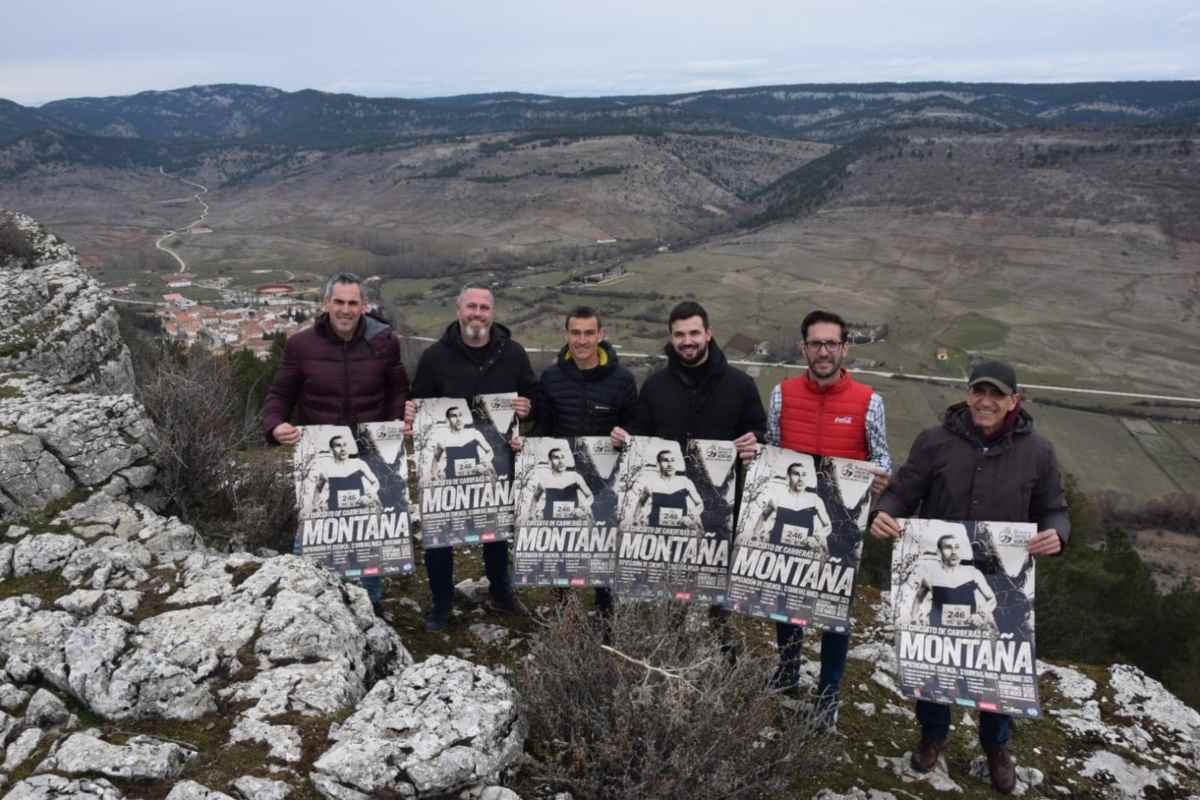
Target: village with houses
[248,319]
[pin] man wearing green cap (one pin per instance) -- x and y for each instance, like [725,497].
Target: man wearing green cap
[984,462]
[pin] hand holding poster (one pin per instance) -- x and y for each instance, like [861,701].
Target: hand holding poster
[962,593]
[353,498]
[675,523]
[799,538]
[566,512]
[464,469]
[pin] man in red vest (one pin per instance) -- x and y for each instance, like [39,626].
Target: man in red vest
[825,412]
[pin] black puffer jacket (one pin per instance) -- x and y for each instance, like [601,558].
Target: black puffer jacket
[591,402]
[713,401]
[448,368]
[952,473]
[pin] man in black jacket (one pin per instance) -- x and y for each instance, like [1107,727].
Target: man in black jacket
[984,462]
[586,392]
[474,356]
[698,395]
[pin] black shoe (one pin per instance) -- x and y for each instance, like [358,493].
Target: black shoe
[437,621]
[925,756]
[1003,771]
[507,603]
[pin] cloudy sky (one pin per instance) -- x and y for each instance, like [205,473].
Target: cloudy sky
[54,49]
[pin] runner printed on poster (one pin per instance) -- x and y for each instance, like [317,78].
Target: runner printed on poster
[675,519]
[566,512]
[353,498]
[799,538]
[962,593]
[464,469]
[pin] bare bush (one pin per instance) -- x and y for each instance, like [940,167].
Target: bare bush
[660,713]
[14,242]
[205,424]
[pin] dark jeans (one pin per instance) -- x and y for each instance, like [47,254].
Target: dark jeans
[439,565]
[834,647]
[994,729]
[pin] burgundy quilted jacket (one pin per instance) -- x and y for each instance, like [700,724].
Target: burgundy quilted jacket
[326,381]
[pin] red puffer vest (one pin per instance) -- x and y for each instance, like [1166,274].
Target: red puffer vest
[825,421]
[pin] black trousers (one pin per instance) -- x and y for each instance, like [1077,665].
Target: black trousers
[439,565]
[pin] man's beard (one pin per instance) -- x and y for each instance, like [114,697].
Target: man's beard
[701,354]
[475,331]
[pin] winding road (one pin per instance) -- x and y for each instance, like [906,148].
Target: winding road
[158,243]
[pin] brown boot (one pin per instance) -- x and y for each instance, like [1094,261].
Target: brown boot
[1004,773]
[925,757]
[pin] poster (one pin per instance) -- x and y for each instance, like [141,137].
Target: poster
[675,519]
[353,498]
[566,514]
[464,469]
[799,538]
[962,594]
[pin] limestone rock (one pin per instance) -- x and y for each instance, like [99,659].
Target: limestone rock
[1027,777]
[283,741]
[12,698]
[1123,778]
[6,557]
[854,794]
[22,748]
[57,787]
[56,322]
[46,710]
[251,788]
[190,790]
[437,727]
[30,476]
[47,552]
[938,778]
[142,758]
[87,602]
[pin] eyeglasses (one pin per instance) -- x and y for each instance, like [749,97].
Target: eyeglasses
[827,346]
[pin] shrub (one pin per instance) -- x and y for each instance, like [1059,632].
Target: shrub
[14,242]
[206,421]
[659,714]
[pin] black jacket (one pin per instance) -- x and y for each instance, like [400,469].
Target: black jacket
[448,368]
[953,474]
[714,401]
[576,402]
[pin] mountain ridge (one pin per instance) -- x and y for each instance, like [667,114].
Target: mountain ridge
[230,112]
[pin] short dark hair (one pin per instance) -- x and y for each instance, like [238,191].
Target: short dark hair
[822,316]
[553,450]
[686,310]
[455,409]
[662,453]
[345,279]
[794,465]
[333,439]
[582,312]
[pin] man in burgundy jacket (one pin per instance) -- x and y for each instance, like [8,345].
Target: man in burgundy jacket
[343,370]
[825,412]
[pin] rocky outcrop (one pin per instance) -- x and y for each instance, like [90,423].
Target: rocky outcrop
[437,727]
[55,321]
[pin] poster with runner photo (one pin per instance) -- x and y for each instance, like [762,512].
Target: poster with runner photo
[464,469]
[566,525]
[799,538]
[353,498]
[962,594]
[675,519]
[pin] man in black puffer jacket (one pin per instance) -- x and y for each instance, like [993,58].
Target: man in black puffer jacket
[474,356]
[586,392]
[698,395]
